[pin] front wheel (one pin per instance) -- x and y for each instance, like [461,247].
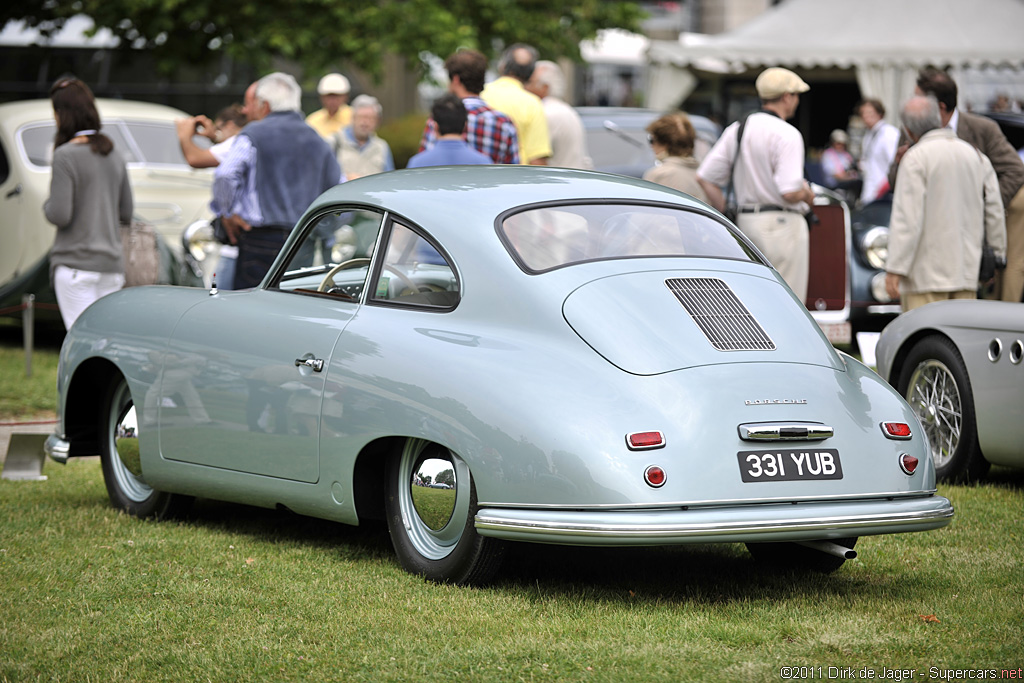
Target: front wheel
[431,503]
[122,467]
[935,383]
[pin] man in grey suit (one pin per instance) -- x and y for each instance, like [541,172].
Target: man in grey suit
[985,135]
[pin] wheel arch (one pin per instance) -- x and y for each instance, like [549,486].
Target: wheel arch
[368,480]
[900,359]
[83,405]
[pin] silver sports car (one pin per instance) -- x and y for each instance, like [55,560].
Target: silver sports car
[958,363]
[489,354]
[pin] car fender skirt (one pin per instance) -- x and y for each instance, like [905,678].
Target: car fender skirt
[739,524]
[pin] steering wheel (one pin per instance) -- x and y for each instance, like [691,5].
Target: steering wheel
[328,282]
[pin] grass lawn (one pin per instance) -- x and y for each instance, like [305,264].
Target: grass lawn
[24,397]
[237,594]
[234,593]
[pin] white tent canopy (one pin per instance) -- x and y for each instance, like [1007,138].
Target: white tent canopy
[885,41]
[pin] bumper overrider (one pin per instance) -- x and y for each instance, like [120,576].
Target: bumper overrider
[734,524]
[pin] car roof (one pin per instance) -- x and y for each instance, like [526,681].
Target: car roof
[16,114]
[444,198]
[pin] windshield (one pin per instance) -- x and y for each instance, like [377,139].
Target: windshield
[555,236]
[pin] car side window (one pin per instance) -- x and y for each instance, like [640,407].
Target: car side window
[334,256]
[37,143]
[415,273]
[158,142]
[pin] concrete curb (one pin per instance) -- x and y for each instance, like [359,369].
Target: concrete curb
[7,428]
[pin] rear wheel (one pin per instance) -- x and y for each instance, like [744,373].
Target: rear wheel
[431,503]
[122,468]
[793,556]
[935,383]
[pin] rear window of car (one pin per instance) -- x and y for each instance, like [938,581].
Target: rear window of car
[554,236]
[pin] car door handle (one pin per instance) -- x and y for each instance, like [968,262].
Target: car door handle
[315,364]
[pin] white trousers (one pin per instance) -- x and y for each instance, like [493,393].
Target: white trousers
[77,289]
[783,238]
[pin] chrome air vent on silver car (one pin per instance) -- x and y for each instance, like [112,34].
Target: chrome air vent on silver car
[725,321]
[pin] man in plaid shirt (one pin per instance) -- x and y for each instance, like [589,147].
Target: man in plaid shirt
[487,130]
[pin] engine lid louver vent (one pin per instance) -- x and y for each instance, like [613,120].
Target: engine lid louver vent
[726,322]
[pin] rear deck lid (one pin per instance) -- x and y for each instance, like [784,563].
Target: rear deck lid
[648,323]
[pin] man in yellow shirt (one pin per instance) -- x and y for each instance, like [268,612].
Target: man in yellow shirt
[336,114]
[507,95]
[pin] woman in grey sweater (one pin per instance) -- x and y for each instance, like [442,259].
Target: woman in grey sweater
[90,197]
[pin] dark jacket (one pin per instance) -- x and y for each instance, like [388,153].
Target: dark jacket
[984,133]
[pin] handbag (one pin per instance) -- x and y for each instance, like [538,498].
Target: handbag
[141,254]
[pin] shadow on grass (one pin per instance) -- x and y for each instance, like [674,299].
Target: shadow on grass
[369,539]
[708,574]
[713,573]
[1004,477]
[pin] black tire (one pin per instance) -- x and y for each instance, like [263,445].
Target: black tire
[935,383]
[796,557]
[445,551]
[122,470]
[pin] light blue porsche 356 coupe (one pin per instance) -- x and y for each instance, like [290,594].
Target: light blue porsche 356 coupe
[491,354]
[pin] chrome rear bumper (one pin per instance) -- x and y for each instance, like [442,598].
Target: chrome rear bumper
[736,524]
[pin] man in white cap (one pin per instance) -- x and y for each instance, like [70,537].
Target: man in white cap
[767,172]
[336,114]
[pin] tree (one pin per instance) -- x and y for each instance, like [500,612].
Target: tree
[321,34]
[446,477]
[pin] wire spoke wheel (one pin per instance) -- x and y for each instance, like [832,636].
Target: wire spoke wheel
[935,383]
[936,400]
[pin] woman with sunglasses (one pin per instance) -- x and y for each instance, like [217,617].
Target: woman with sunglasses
[672,138]
[90,197]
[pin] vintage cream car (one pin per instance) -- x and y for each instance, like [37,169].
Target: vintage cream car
[168,193]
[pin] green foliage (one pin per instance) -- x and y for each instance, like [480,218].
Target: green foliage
[403,136]
[319,34]
[235,593]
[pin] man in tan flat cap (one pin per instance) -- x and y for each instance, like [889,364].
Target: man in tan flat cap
[764,157]
[335,114]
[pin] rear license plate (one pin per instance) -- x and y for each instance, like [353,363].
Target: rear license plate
[790,465]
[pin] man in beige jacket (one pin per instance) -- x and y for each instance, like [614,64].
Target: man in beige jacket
[946,202]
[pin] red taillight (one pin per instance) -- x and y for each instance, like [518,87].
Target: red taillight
[638,441]
[654,476]
[908,463]
[896,430]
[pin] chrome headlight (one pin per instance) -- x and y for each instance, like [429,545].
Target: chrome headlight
[875,245]
[878,289]
[197,240]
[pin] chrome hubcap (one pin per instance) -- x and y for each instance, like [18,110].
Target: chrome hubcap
[433,496]
[124,447]
[935,398]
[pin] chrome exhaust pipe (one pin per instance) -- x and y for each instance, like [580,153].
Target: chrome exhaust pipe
[831,548]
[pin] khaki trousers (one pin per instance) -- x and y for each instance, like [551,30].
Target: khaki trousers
[783,238]
[912,300]
[1010,282]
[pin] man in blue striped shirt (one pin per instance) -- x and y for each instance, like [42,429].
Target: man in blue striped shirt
[295,165]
